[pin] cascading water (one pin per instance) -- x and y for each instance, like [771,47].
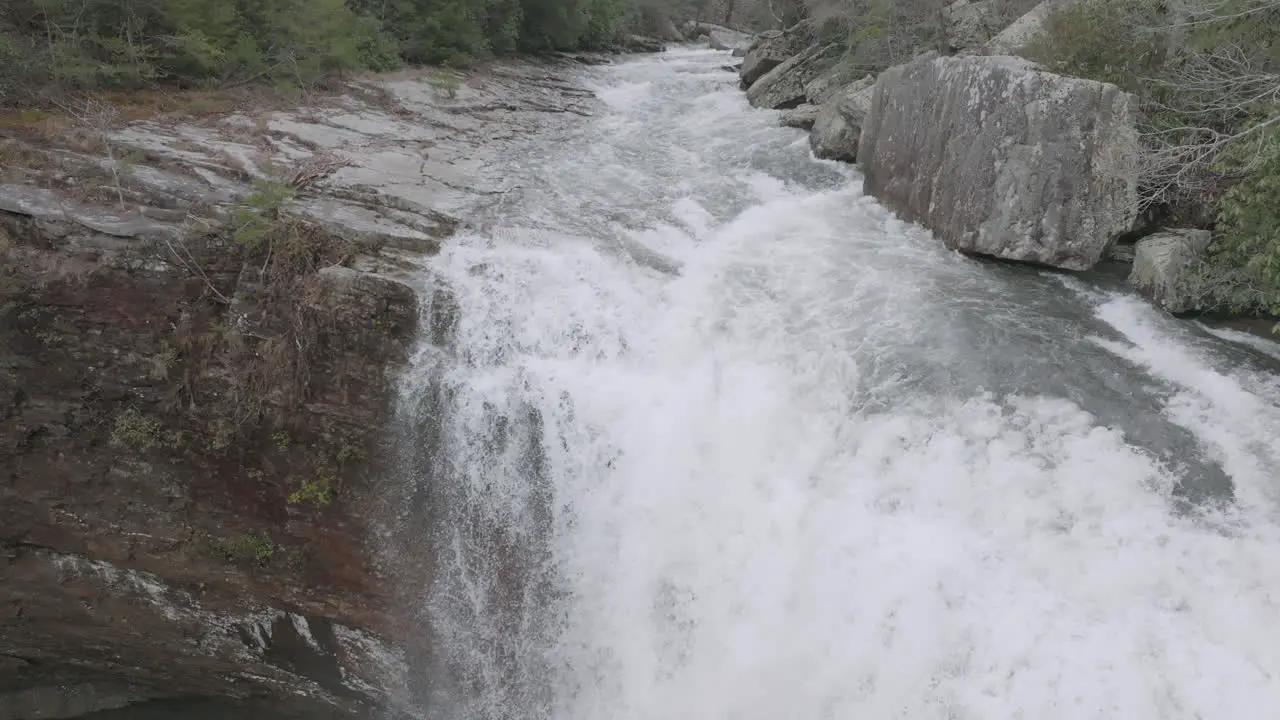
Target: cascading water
[705,433]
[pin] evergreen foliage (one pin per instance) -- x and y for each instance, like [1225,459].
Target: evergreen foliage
[53,47]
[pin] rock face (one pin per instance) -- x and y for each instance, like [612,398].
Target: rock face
[999,157]
[1162,266]
[838,125]
[142,475]
[772,48]
[800,117]
[783,87]
[192,411]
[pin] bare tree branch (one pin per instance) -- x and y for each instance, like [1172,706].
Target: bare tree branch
[1224,103]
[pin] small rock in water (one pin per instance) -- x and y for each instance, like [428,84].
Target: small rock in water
[838,125]
[1163,264]
[801,117]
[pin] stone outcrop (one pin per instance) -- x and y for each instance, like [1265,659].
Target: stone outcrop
[192,410]
[772,48]
[1163,265]
[999,157]
[783,87]
[144,371]
[800,117]
[837,127]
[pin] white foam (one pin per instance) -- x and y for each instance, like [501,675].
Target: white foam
[1269,347]
[1232,421]
[736,532]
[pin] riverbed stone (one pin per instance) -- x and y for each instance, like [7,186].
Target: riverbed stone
[800,117]
[838,125]
[1164,266]
[784,86]
[999,157]
[725,39]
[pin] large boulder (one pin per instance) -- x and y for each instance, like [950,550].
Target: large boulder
[783,87]
[801,117]
[725,39]
[774,47]
[838,125]
[1163,266]
[997,156]
[970,24]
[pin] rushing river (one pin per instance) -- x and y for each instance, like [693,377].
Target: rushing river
[708,434]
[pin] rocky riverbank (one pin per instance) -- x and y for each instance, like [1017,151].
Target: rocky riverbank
[996,155]
[201,318]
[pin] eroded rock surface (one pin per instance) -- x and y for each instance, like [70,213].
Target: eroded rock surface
[999,157]
[200,324]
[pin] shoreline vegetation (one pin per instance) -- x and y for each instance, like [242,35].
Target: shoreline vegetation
[54,49]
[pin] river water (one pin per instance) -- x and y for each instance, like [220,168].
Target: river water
[708,434]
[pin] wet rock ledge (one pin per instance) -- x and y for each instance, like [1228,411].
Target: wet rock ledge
[200,323]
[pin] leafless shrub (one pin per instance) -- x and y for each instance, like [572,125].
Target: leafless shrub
[100,119]
[1220,101]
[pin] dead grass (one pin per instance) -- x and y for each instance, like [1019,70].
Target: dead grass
[34,124]
[199,104]
[50,129]
[38,270]
[16,155]
[162,104]
[267,353]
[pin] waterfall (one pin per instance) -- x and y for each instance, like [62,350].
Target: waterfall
[696,430]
